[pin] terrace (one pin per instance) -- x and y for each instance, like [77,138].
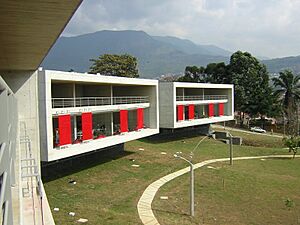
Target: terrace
[97,101]
[201,97]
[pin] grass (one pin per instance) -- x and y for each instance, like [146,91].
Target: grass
[250,192]
[108,193]
[255,139]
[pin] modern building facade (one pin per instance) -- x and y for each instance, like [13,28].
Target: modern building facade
[183,104]
[80,112]
[51,115]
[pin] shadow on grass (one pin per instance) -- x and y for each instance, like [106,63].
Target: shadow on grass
[163,138]
[171,212]
[65,167]
[282,158]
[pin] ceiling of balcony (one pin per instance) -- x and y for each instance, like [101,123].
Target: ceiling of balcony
[28,29]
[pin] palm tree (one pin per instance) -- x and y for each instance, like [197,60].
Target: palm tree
[289,95]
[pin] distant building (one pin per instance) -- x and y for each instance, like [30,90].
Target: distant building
[183,104]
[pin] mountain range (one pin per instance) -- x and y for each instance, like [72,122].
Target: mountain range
[156,55]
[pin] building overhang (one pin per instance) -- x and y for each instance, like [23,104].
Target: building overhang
[28,29]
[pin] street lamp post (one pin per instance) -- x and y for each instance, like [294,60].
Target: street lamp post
[192,181]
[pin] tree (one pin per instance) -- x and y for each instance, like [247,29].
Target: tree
[293,143]
[253,94]
[288,93]
[193,74]
[115,65]
[217,73]
[169,78]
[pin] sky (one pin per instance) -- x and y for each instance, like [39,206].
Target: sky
[265,28]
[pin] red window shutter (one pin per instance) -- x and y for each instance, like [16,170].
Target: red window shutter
[211,112]
[123,121]
[180,112]
[64,129]
[221,109]
[191,112]
[140,118]
[87,126]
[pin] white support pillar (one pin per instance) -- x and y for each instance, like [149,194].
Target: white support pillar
[112,114]
[112,122]
[203,108]
[74,94]
[183,105]
[75,127]
[111,95]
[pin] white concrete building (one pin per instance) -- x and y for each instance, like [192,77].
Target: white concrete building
[80,113]
[183,104]
[88,112]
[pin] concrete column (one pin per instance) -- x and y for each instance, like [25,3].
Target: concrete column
[112,122]
[75,127]
[111,95]
[74,94]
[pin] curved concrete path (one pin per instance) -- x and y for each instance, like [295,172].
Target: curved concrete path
[144,205]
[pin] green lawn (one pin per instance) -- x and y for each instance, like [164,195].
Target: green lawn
[108,193]
[250,192]
[255,139]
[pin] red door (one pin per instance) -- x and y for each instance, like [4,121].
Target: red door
[123,121]
[64,129]
[140,118]
[180,112]
[191,112]
[211,112]
[87,126]
[221,109]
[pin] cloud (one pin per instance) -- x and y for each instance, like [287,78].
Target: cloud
[264,28]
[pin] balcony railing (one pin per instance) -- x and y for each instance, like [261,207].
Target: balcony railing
[201,97]
[97,101]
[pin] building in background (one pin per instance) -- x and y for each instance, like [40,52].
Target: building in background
[183,104]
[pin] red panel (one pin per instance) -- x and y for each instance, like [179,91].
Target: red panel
[211,112]
[123,121]
[87,126]
[64,129]
[221,109]
[191,112]
[180,112]
[140,118]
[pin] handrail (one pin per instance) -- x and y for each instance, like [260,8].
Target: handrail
[201,97]
[97,101]
[29,172]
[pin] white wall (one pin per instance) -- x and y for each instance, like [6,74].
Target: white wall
[24,85]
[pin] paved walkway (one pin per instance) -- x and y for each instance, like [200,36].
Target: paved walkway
[144,205]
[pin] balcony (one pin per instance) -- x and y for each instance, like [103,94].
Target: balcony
[201,97]
[97,101]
